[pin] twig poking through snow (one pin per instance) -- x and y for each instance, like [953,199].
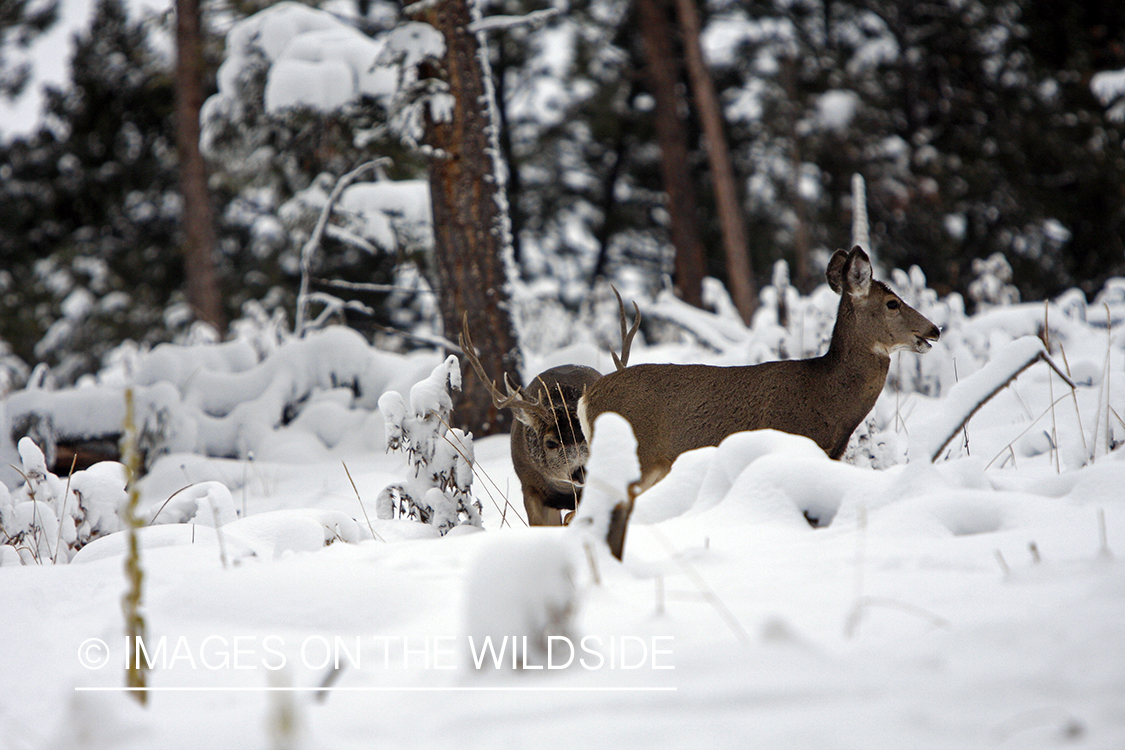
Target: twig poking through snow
[1003,563]
[1103,537]
[219,533]
[361,506]
[705,590]
[860,230]
[135,668]
[971,394]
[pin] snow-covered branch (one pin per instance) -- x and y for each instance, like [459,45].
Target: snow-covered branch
[934,433]
[533,20]
[313,243]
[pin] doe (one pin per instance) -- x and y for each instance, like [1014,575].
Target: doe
[677,408]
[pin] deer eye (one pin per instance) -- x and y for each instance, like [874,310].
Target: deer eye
[551,444]
[892,304]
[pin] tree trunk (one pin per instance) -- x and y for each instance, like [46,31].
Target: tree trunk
[740,273]
[470,224]
[657,31]
[202,282]
[801,251]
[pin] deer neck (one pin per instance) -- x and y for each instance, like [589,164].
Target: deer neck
[852,365]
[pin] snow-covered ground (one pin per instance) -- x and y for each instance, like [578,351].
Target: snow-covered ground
[978,601]
[974,601]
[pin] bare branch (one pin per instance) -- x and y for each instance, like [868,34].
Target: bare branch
[974,392]
[313,243]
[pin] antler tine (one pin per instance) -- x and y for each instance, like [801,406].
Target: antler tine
[626,336]
[466,342]
[514,397]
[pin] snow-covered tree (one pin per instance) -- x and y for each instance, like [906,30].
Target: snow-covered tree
[305,96]
[88,206]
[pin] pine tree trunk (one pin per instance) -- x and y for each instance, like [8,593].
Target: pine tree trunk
[736,244]
[657,31]
[802,267]
[470,227]
[202,282]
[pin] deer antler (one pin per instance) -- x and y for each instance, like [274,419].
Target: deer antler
[626,336]
[513,398]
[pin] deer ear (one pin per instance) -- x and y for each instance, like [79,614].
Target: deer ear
[835,272]
[857,272]
[523,415]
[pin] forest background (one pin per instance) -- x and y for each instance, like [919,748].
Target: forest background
[990,133]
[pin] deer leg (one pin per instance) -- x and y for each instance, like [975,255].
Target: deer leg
[539,514]
[653,473]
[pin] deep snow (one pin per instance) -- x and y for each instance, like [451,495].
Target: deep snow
[973,602]
[977,601]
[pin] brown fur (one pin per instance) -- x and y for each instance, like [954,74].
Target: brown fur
[677,408]
[549,452]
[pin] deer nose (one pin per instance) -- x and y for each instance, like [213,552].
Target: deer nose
[578,476]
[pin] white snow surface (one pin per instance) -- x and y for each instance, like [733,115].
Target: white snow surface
[978,601]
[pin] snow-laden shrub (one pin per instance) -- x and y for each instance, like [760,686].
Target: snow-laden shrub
[252,395]
[441,457]
[48,519]
[992,285]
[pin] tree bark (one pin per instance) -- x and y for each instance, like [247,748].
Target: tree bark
[470,229]
[202,282]
[736,244]
[801,251]
[658,32]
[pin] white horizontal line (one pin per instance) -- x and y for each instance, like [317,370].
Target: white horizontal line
[283,689]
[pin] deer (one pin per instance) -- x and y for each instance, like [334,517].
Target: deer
[677,408]
[549,449]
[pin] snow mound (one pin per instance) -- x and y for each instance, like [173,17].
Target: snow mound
[703,478]
[306,397]
[520,592]
[266,535]
[611,469]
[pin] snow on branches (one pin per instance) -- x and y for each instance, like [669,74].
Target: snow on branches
[441,456]
[48,519]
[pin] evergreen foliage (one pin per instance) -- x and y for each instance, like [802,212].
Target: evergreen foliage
[21,21]
[89,207]
[973,123]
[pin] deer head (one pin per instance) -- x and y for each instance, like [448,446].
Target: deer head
[549,449]
[873,316]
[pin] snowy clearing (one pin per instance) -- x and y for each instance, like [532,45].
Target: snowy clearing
[976,601]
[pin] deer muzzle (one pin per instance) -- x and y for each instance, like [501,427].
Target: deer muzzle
[578,476]
[922,339]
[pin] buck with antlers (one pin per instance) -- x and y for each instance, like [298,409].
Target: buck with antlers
[676,408]
[549,449]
